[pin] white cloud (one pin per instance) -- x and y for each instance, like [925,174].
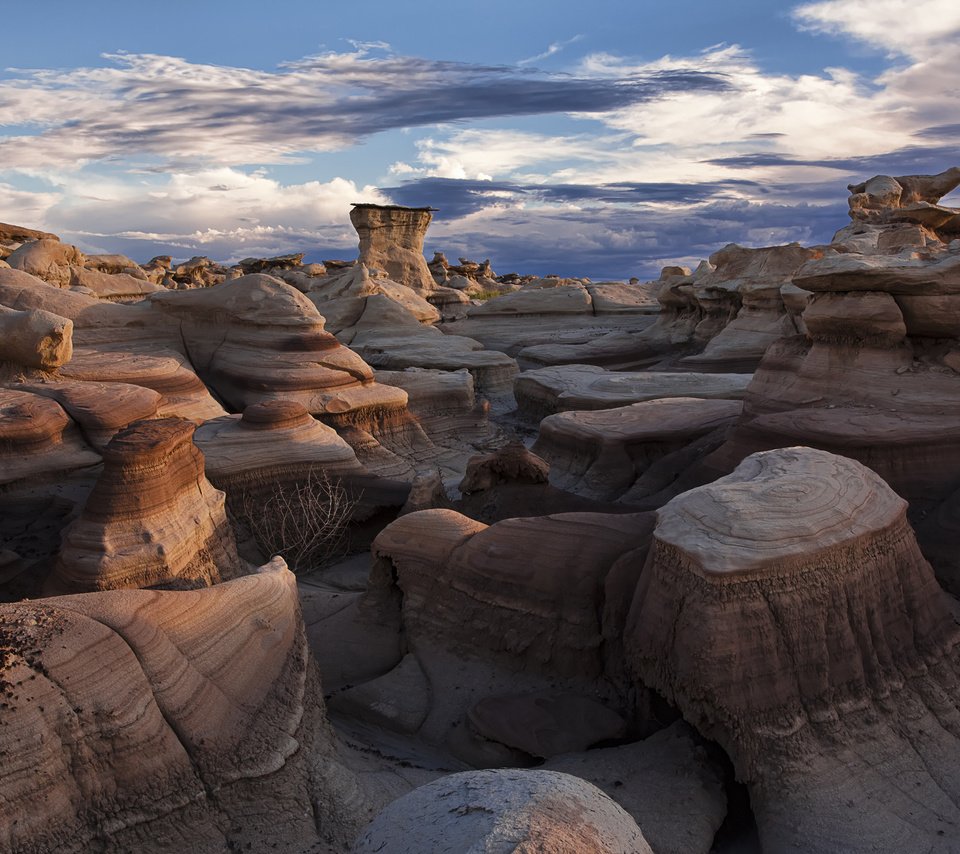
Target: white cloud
[910,27]
[26,207]
[552,49]
[492,154]
[223,205]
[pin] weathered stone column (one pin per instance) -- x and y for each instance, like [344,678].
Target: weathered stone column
[391,239]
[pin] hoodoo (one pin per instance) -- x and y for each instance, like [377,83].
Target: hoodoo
[787,611]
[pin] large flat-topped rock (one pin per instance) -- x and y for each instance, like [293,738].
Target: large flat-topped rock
[270,440]
[556,389]
[600,453]
[787,611]
[891,273]
[812,502]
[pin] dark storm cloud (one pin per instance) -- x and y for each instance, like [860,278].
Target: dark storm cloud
[458,197]
[912,160]
[188,113]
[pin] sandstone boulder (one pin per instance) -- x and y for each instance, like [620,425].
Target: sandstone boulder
[35,338]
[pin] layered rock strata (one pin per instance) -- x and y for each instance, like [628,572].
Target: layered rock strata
[278,444]
[101,410]
[190,720]
[38,440]
[152,518]
[787,611]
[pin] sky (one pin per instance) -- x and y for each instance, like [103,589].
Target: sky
[603,139]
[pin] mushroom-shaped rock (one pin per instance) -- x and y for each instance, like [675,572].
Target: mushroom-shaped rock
[151,519]
[504,811]
[391,239]
[35,338]
[511,464]
[136,720]
[787,610]
[256,338]
[38,440]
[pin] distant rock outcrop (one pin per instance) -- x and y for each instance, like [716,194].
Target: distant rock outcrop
[546,391]
[391,239]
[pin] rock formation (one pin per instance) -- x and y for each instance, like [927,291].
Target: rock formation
[546,391]
[35,338]
[720,318]
[191,720]
[787,611]
[391,239]
[277,445]
[504,811]
[152,519]
[603,453]
[38,440]
[667,782]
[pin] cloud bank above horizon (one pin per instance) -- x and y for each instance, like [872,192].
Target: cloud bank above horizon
[604,164]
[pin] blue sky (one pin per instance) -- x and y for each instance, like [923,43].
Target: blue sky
[602,139]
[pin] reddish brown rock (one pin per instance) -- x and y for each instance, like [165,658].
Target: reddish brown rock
[19,232]
[142,720]
[511,464]
[152,518]
[38,441]
[166,372]
[787,610]
[100,409]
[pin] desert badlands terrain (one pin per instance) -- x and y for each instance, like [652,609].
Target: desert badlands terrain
[396,554]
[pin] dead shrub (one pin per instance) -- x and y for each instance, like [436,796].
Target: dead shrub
[305,522]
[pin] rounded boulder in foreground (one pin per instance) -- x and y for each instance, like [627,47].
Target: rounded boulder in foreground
[502,812]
